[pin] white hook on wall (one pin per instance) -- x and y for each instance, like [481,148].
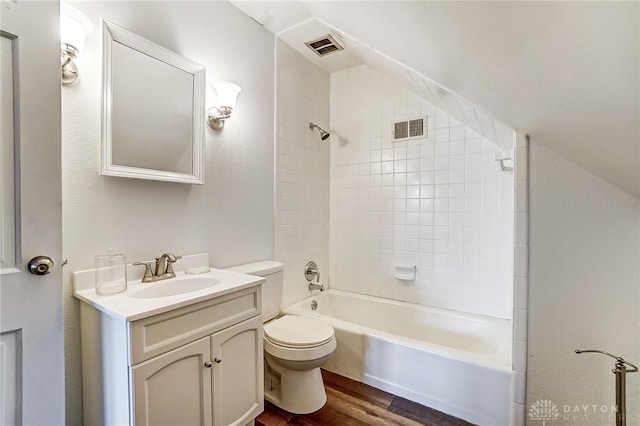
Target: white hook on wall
[502,157]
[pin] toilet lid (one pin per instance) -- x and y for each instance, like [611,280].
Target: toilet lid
[298,332]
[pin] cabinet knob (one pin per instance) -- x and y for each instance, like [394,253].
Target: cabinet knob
[207,364]
[218,360]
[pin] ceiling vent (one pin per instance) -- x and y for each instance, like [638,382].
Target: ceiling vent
[410,129]
[324,45]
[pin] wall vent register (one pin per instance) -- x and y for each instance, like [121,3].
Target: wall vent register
[410,129]
[324,45]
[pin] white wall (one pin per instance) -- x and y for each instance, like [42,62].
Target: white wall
[438,203]
[230,217]
[584,288]
[302,171]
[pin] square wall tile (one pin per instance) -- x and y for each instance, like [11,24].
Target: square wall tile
[522,229]
[522,261]
[520,356]
[518,414]
[521,293]
[520,324]
[518,388]
[521,196]
[438,202]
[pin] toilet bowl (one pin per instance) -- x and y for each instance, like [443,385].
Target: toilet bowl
[294,347]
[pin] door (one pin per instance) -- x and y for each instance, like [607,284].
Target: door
[31,318]
[174,388]
[238,392]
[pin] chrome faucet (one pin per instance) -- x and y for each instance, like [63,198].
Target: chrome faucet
[164,264]
[311,271]
[163,268]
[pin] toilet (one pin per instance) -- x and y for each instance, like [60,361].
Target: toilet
[295,347]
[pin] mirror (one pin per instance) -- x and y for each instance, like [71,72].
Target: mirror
[152,110]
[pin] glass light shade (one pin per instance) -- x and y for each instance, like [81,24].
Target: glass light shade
[74,26]
[227,93]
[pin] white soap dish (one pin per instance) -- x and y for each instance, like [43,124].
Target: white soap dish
[405,272]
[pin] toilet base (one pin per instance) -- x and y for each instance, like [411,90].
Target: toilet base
[298,392]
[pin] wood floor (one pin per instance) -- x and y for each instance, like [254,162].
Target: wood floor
[351,403]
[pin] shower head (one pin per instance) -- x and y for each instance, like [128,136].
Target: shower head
[323,134]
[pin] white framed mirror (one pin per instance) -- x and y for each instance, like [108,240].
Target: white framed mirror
[153,110]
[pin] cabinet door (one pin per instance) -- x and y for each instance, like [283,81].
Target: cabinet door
[174,388]
[238,393]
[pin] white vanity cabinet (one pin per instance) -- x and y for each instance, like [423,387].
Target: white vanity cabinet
[199,364]
[174,388]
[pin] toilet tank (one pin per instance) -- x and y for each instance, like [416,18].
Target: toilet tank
[273,273]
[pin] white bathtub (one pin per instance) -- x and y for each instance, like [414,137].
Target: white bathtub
[454,362]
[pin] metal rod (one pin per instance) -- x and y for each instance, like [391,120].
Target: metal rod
[620,370]
[621,399]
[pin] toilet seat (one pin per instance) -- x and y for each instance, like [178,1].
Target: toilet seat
[298,338]
[298,332]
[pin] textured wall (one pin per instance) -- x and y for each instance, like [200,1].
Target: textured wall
[302,171]
[584,288]
[438,202]
[230,217]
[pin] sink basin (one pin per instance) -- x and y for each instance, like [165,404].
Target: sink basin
[173,287]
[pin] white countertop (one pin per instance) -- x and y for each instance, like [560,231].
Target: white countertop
[123,306]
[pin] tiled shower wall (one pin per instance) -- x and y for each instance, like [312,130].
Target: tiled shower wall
[439,203]
[302,171]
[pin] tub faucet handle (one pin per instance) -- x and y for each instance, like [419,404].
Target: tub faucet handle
[311,271]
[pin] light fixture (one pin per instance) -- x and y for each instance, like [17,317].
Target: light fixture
[227,96]
[74,29]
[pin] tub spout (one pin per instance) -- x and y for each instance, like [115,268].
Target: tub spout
[313,286]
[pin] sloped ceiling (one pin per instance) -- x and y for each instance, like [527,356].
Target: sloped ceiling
[568,73]
[355,53]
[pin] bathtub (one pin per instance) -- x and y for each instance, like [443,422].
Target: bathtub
[454,362]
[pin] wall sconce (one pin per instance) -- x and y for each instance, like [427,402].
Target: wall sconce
[227,97]
[74,29]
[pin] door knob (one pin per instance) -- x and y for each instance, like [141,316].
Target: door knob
[40,265]
[207,364]
[218,360]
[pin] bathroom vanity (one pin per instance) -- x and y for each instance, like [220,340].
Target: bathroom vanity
[194,357]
